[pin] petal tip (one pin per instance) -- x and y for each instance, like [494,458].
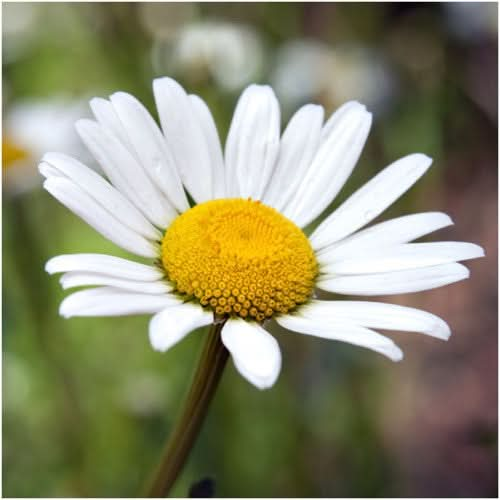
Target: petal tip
[49,267]
[441,330]
[396,355]
[63,310]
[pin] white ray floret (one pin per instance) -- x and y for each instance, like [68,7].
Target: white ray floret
[107,265]
[344,136]
[390,283]
[343,331]
[401,257]
[370,200]
[207,124]
[385,234]
[77,279]
[377,315]
[106,116]
[126,173]
[299,144]
[252,144]
[110,301]
[185,138]
[83,205]
[256,354]
[149,145]
[59,165]
[172,324]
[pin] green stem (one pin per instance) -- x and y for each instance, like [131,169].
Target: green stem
[206,379]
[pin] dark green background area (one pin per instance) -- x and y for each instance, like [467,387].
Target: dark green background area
[87,403]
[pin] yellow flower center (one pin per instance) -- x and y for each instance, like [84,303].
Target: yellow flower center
[239,257]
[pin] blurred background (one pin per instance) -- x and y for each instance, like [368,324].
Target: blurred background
[87,403]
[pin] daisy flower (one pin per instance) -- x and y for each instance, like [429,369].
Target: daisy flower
[224,231]
[32,127]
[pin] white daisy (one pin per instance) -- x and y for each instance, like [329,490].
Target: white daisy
[32,127]
[231,54]
[240,255]
[307,70]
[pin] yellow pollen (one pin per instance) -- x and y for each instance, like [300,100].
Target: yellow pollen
[239,257]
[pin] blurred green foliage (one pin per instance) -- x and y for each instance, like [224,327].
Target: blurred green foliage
[87,404]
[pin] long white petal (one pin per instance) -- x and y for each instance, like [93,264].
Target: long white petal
[93,214]
[414,280]
[256,354]
[107,265]
[336,158]
[407,256]
[109,301]
[370,200]
[343,331]
[299,144]
[376,315]
[207,124]
[150,147]
[171,325]
[125,172]
[252,144]
[74,279]
[184,137]
[385,234]
[99,189]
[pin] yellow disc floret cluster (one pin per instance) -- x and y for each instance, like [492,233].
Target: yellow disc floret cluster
[239,257]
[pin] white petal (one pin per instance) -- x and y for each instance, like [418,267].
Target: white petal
[171,325]
[80,203]
[48,170]
[207,124]
[343,331]
[124,171]
[184,137]
[256,354]
[74,279]
[107,265]
[414,280]
[252,144]
[371,200]
[100,190]
[376,315]
[385,234]
[299,144]
[150,146]
[344,137]
[108,301]
[106,115]
[408,256]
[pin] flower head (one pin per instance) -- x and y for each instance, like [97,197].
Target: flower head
[239,256]
[30,128]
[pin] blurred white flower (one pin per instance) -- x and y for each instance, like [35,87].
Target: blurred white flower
[309,70]
[231,54]
[29,129]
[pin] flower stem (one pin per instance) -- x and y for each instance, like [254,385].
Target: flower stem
[205,381]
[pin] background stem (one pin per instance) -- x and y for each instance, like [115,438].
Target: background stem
[210,367]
